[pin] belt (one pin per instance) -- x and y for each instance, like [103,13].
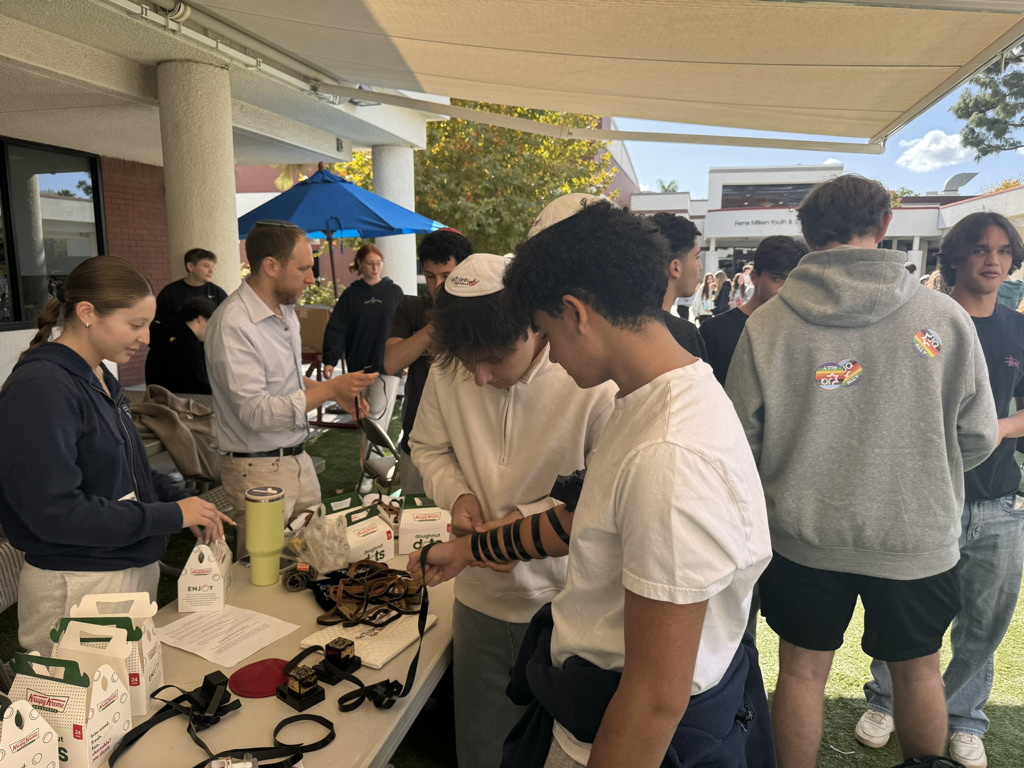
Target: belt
[294,450]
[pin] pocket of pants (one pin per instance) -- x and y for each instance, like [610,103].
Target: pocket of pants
[261,467]
[1013,505]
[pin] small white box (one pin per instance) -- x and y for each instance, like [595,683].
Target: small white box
[146,664]
[26,738]
[89,713]
[205,579]
[420,523]
[369,535]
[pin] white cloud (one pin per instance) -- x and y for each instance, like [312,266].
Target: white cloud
[645,187]
[933,150]
[832,161]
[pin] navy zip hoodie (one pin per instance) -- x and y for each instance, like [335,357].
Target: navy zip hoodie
[70,461]
[360,323]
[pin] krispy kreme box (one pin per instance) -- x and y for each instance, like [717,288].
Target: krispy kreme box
[91,642]
[26,739]
[420,523]
[90,713]
[146,665]
[206,578]
[369,535]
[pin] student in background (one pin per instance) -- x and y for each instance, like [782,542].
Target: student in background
[177,359]
[684,271]
[197,284]
[773,261]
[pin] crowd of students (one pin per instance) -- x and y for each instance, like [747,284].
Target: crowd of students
[618,515]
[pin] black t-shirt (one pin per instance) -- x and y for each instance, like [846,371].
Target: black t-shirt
[410,317]
[1002,338]
[177,360]
[174,295]
[721,334]
[685,334]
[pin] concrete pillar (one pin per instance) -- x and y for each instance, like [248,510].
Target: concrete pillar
[27,209]
[394,178]
[199,165]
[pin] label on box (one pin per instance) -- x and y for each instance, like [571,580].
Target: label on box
[205,579]
[369,535]
[417,527]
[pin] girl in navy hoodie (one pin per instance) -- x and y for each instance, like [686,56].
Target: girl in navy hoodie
[76,490]
[359,327]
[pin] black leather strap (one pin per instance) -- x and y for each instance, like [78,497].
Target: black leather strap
[557,525]
[474,544]
[304,748]
[535,530]
[517,543]
[493,536]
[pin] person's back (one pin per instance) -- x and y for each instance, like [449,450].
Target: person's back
[863,494]
[177,356]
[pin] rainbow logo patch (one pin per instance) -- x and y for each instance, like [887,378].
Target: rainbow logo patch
[927,343]
[845,373]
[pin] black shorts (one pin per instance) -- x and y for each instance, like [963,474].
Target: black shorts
[903,620]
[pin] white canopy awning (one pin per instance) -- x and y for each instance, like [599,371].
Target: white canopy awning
[836,68]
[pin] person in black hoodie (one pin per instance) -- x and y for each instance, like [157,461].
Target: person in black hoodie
[76,490]
[177,357]
[358,329]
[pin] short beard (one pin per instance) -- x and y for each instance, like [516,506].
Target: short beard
[287,298]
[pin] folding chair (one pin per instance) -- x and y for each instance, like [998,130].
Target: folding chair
[378,462]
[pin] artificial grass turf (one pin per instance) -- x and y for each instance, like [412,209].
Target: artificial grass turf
[430,743]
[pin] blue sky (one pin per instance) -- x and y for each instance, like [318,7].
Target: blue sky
[921,156]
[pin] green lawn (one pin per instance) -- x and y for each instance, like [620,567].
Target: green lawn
[429,744]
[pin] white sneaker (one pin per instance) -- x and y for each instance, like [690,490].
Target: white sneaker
[968,749]
[874,728]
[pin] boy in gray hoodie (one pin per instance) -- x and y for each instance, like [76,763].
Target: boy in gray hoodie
[863,495]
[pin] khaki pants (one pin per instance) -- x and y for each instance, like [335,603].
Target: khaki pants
[45,597]
[295,475]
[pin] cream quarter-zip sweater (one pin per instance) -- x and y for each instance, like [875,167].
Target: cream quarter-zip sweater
[507,448]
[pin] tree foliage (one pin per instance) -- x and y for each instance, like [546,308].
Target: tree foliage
[896,196]
[993,108]
[491,183]
[670,186]
[999,186]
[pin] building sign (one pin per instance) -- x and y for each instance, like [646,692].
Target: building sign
[751,223]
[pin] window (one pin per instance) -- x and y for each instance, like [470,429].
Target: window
[50,221]
[764,195]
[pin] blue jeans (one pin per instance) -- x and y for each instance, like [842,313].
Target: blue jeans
[484,650]
[991,556]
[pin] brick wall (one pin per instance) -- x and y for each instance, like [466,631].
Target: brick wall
[133,200]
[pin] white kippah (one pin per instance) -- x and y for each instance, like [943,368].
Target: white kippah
[480,274]
[562,208]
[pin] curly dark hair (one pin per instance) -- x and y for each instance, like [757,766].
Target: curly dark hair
[612,259]
[474,327]
[680,232]
[444,244]
[840,209]
[965,234]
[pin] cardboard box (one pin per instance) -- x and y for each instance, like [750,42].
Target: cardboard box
[205,579]
[420,523]
[89,713]
[369,535]
[146,666]
[26,738]
[93,642]
[312,324]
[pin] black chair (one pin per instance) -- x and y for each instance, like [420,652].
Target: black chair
[378,461]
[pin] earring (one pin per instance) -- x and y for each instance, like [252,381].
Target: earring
[88,325]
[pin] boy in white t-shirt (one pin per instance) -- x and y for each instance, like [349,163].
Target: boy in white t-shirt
[639,659]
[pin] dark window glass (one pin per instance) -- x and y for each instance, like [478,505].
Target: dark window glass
[53,221]
[764,195]
[6,299]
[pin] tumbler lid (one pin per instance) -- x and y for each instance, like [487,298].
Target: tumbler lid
[264,494]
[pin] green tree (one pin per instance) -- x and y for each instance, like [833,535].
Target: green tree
[490,183]
[672,186]
[896,196]
[993,108]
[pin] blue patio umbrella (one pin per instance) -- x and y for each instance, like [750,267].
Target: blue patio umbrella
[328,206]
